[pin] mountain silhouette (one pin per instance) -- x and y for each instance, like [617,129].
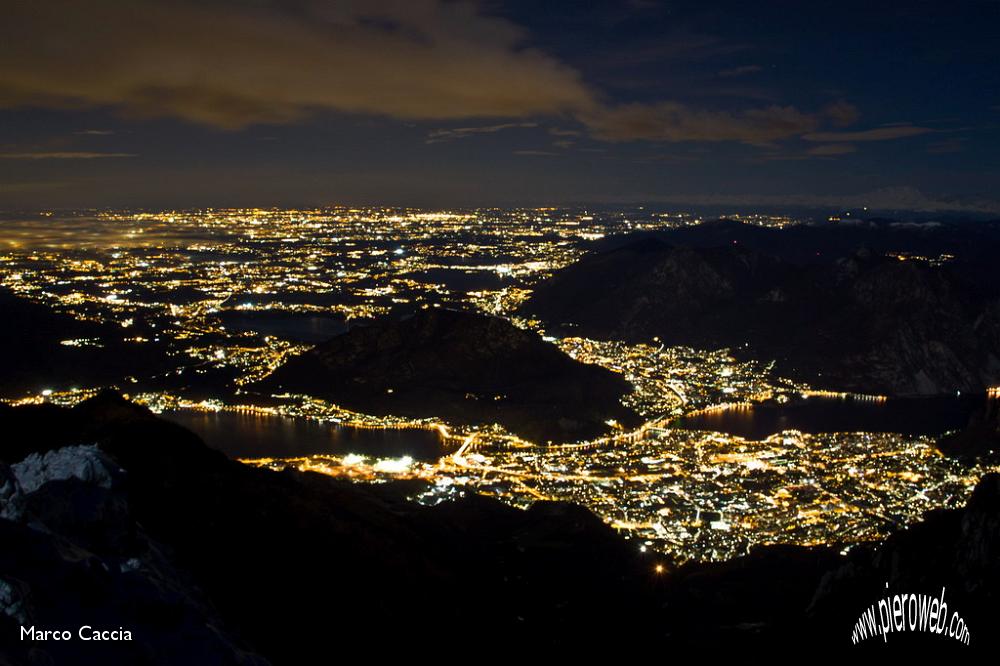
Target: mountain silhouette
[463,367]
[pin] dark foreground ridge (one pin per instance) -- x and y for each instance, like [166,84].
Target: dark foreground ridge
[207,561]
[859,320]
[981,436]
[463,367]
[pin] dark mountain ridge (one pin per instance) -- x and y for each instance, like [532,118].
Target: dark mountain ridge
[972,243]
[860,322]
[34,358]
[463,367]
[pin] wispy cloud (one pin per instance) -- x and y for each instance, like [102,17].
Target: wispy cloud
[955,145]
[534,152]
[842,113]
[674,122]
[452,134]
[829,149]
[891,198]
[62,155]
[742,70]
[877,134]
[31,186]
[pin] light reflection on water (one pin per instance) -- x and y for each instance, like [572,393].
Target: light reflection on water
[909,416]
[248,435]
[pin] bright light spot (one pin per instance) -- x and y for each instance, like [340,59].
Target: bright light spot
[394,465]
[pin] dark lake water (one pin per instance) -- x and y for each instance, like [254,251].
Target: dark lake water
[240,435]
[911,416]
[301,327]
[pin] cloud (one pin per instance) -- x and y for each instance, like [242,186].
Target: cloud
[94,132]
[833,149]
[535,152]
[842,113]
[15,188]
[440,135]
[674,122]
[947,146]
[877,134]
[643,5]
[231,63]
[740,71]
[680,45]
[234,63]
[887,199]
[62,155]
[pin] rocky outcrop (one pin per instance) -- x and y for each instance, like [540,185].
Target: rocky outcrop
[981,436]
[73,555]
[11,495]
[462,367]
[86,463]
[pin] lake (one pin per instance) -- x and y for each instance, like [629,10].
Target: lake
[297,326]
[911,416]
[243,435]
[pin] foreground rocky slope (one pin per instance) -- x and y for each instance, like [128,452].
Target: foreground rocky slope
[208,561]
[859,321]
[463,367]
[980,436]
[296,563]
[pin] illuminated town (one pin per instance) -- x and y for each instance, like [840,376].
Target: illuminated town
[225,294]
[497,324]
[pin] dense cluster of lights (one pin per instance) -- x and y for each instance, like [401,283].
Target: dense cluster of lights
[209,286]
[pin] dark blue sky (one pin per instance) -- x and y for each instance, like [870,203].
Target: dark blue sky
[435,103]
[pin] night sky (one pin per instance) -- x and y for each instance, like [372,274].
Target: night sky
[431,103]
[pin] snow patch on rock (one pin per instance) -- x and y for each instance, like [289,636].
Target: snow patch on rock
[12,602]
[86,463]
[11,496]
